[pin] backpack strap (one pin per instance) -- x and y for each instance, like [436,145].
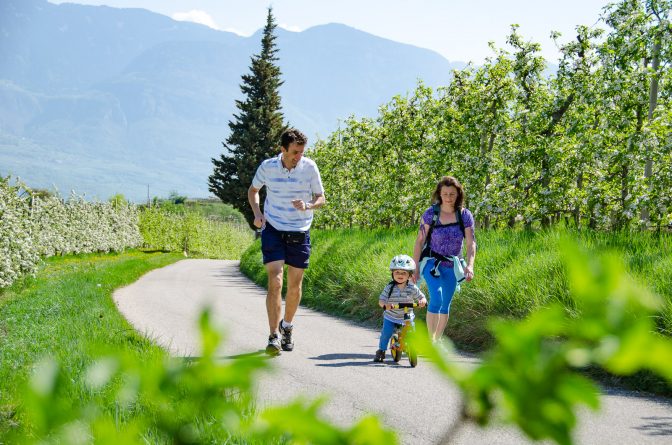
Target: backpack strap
[391,284]
[437,211]
[460,220]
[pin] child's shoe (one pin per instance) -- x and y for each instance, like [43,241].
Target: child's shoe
[380,356]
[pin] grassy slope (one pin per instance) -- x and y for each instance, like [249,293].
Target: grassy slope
[67,307]
[217,210]
[516,271]
[68,304]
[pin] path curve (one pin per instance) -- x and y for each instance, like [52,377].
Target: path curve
[333,357]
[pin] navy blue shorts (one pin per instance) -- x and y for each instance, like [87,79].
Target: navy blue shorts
[290,247]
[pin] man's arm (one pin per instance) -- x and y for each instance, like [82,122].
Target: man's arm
[316,185]
[253,199]
[315,203]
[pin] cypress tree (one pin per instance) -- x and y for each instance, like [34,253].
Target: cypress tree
[255,130]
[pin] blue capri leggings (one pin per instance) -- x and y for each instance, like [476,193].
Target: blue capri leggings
[441,288]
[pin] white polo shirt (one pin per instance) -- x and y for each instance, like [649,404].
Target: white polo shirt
[283,186]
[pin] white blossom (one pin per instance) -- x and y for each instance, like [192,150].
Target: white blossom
[33,227]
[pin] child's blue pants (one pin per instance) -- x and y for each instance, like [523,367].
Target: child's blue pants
[386,333]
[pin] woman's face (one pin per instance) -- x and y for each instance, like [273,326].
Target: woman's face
[448,195]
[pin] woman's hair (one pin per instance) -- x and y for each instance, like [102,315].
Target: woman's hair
[448,181]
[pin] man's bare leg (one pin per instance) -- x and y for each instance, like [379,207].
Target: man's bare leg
[274,294]
[294,289]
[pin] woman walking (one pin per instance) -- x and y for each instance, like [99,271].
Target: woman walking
[446,225]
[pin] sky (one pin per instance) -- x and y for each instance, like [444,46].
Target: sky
[459,30]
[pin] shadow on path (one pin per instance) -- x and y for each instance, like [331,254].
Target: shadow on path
[261,353]
[364,360]
[656,426]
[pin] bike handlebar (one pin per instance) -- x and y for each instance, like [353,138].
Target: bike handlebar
[403,305]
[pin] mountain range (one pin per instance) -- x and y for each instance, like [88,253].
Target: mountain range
[103,100]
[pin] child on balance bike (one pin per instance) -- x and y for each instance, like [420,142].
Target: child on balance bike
[399,290]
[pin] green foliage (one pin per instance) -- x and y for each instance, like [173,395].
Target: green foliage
[124,390]
[528,377]
[215,209]
[255,134]
[211,208]
[176,198]
[178,229]
[589,146]
[104,383]
[516,273]
[186,401]
[57,313]
[118,200]
[340,279]
[42,193]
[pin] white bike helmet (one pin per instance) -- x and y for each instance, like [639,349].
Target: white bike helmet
[402,262]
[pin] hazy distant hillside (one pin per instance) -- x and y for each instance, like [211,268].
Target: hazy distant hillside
[51,47]
[108,100]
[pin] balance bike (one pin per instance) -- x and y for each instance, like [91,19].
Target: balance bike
[398,342]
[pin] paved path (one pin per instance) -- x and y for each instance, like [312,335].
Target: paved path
[333,357]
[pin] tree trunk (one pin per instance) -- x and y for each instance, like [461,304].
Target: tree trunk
[577,208]
[545,183]
[653,101]
[624,195]
[592,221]
[491,143]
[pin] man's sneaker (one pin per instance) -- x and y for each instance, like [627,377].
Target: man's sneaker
[286,340]
[273,347]
[380,356]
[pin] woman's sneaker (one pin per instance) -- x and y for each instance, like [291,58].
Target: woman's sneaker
[273,347]
[286,340]
[380,356]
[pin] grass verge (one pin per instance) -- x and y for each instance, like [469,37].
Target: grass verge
[61,312]
[516,273]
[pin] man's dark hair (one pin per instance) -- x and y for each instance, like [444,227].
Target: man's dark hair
[292,135]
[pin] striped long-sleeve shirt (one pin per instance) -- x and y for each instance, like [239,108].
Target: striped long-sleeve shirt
[410,294]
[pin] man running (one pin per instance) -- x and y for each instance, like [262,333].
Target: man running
[293,190]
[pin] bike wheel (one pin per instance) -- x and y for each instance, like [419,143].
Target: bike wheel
[395,349]
[413,358]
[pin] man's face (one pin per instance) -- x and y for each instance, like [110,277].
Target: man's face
[292,155]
